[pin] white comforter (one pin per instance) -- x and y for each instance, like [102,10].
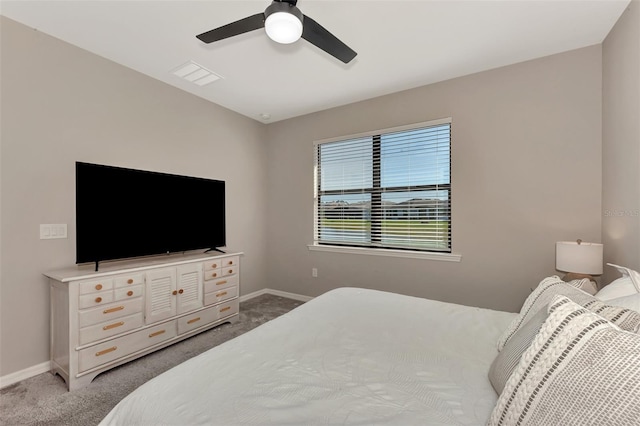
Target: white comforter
[350,356]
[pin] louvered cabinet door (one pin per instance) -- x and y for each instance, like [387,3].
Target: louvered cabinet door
[190,294]
[161,295]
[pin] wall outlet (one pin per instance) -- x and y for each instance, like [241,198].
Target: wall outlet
[52,231]
[314,272]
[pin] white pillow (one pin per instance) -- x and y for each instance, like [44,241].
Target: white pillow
[630,302]
[626,285]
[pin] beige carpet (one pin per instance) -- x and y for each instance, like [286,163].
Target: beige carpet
[44,400]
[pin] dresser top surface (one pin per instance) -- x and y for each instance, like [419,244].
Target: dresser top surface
[87,271]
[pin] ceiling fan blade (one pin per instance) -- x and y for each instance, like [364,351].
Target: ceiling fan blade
[242,26]
[317,35]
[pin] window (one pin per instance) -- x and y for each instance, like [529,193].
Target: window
[391,189]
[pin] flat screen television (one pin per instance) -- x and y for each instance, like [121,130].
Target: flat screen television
[124,213]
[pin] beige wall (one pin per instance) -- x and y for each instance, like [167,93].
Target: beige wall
[61,104]
[621,142]
[526,172]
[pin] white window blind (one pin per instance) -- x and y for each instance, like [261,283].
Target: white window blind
[386,190]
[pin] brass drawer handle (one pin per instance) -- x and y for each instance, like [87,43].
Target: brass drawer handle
[129,293]
[215,265]
[180,291]
[230,263]
[231,271]
[225,309]
[112,310]
[175,292]
[98,299]
[114,325]
[106,351]
[221,282]
[191,321]
[98,286]
[224,293]
[129,281]
[215,274]
[157,333]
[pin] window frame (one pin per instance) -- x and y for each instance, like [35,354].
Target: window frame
[372,249]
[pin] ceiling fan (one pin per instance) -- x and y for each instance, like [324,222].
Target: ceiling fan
[284,23]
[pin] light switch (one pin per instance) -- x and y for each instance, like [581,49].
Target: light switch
[51,231]
[45,232]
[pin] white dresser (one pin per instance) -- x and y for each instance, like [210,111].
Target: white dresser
[128,309]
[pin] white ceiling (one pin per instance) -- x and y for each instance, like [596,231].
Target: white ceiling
[400,44]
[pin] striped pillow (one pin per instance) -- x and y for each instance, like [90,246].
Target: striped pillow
[626,319]
[584,284]
[580,370]
[507,360]
[539,299]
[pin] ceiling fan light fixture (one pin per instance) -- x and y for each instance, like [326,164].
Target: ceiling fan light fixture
[283,22]
[283,27]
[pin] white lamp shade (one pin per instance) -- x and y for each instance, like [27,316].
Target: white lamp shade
[283,27]
[580,258]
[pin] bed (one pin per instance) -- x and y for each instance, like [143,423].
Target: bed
[366,357]
[350,356]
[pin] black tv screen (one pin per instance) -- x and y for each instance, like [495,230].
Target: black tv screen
[123,213]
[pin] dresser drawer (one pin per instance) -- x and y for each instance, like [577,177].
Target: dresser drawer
[212,274]
[210,265]
[229,270]
[125,293]
[94,286]
[157,334]
[109,312]
[220,295]
[95,299]
[125,345]
[230,261]
[101,354]
[219,284]
[197,319]
[228,308]
[110,328]
[128,280]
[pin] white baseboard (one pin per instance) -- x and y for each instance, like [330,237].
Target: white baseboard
[252,295]
[29,372]
[286,294]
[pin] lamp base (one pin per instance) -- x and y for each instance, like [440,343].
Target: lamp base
[575,276]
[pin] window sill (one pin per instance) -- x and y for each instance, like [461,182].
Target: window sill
[444,257]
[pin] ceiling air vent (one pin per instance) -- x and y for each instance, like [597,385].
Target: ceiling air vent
[196,74]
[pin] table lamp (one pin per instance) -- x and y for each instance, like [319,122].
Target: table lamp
[579,259]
